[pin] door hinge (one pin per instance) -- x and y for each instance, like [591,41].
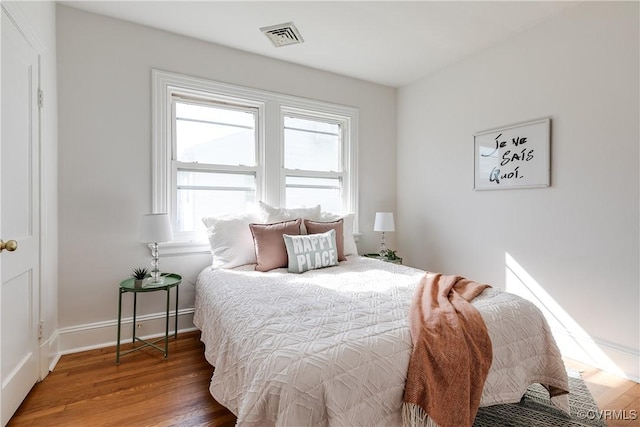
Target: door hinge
[40,98]
[40,329]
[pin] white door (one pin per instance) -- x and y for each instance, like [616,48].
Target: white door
[19,217]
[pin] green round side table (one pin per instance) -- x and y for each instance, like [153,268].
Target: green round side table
[169,280]
[397,260]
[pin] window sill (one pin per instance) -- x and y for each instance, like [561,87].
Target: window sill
[184,248]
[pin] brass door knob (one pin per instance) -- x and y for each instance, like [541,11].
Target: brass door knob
[10,245]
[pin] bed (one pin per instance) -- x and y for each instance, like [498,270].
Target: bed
[331,346]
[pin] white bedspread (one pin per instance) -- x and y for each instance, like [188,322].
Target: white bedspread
[331,346]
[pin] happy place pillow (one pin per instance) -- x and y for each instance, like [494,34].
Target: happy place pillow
[311,251]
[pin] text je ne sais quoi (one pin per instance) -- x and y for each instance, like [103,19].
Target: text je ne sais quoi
[524,155]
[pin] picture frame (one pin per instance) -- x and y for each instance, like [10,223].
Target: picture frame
[513,156]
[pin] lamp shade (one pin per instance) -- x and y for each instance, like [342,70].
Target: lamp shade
[155,228]
[384,222]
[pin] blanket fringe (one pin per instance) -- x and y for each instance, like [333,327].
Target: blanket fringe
[414,416]
[562,402]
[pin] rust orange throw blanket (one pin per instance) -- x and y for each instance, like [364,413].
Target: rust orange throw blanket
[451,353]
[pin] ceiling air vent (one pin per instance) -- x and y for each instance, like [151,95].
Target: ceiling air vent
[283,34]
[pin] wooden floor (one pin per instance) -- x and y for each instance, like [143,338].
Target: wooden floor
[89,389]
[619,399]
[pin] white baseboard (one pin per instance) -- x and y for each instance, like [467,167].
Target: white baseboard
[602,354]
[91,336]
[49,354]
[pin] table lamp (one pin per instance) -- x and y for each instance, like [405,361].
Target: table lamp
[154,229]
[384,222]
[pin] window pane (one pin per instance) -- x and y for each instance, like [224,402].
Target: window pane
[293,181]
[311,145]
[312,125]
[216,179]
[214,135]
[313,191]
[201,194]
[193,205]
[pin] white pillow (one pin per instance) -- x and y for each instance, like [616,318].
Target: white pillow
[273,214]
[350,247]
[231,240]
[311,251]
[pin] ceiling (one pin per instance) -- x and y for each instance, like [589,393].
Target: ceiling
[392,43]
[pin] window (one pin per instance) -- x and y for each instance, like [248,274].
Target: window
[218,149]
[214,158]
[313,168]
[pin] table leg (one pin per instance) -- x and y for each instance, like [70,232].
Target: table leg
[166,327]
[175,332]
[135,300]
[119,323]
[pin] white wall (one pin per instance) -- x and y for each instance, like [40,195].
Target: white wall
[578,239]
[38,20]
[104,69]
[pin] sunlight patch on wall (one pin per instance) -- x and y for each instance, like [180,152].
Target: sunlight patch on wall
[574,342]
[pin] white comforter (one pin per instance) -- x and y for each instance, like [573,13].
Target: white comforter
[331,346]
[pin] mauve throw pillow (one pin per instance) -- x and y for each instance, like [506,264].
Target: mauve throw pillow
[269,244]
[316,227]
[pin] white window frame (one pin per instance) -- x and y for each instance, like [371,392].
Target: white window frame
[270,174]
[347,163]
[255,169]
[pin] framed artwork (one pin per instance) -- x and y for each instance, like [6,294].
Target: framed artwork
[514,156]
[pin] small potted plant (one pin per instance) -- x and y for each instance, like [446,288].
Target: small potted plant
[390,255]
[139,275]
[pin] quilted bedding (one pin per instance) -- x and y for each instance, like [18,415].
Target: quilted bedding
[332,346]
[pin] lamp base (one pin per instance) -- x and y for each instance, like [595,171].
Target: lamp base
[383,247]
[156,278]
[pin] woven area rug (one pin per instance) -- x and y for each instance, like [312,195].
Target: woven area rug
[535,409]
